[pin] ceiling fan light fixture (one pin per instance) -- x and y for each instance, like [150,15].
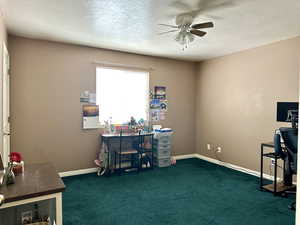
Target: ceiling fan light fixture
[187,30]
[190,37]
[177,37]
[184,38]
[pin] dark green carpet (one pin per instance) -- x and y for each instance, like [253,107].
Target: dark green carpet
[192,192]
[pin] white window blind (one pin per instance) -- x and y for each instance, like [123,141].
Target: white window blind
[122,94]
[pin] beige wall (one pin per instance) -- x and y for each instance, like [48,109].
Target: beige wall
[236,100]
[46,81]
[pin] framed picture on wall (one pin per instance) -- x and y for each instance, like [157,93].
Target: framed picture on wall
[160,92]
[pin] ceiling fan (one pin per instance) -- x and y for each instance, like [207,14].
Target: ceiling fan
[186,29]
[186,13]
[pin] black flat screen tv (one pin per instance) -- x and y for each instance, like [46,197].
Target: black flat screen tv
[285,111]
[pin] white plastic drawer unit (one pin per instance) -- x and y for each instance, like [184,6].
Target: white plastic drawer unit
[164,162]
[164,139]
[162,153]
[164,143]
[160,147]
[159,135]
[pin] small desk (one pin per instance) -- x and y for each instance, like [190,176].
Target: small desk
[109,138]
[275,188]
[38,182]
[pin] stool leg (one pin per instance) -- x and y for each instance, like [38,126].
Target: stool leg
[261,167]
[292,206]
[139,162]
[120,159]
[115,162]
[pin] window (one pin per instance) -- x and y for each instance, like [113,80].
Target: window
[122,94]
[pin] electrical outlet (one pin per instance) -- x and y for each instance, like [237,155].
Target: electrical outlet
[219,149]
[208,146]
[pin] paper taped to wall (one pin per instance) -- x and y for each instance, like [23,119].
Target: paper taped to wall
[90,117]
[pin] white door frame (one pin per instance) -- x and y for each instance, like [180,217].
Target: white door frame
[5,129]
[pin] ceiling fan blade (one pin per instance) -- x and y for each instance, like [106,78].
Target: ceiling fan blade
[167,25]
[170,31]
[203,25]
[209,16]
[193,13]
[197,32]
[208,5]
[180,5]
[205,6]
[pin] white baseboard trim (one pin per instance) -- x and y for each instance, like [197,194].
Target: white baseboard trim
[189,156]
[94,170]
[179,157]
[77,172]
[234,167]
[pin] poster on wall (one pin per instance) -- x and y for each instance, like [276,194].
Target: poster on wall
[160,92]
[84,96]
[158,104]
[90,115]
[163,105]
[155,115]
[155,104]
[88,97]
[92,98]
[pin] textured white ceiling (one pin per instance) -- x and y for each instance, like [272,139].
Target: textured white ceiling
[131,25]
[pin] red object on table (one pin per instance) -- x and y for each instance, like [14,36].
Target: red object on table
[15,157]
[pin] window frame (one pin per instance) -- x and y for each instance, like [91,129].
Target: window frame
[128,69]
